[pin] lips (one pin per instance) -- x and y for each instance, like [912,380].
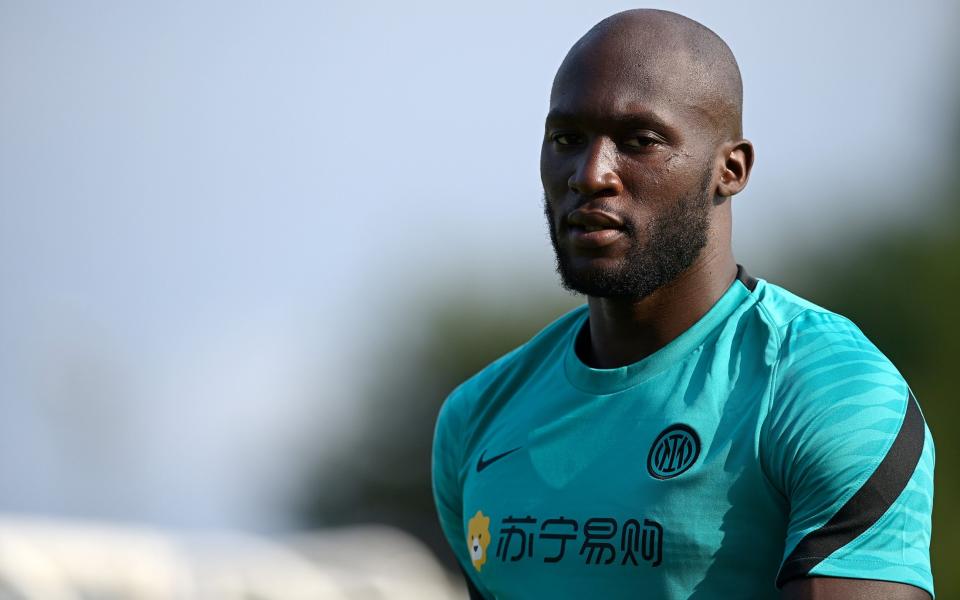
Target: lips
[594,228]
[594,219]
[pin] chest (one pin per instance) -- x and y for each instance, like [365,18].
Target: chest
[620,491]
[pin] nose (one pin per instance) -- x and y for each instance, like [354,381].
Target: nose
[596,172]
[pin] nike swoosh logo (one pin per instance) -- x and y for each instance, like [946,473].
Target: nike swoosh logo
[483,464]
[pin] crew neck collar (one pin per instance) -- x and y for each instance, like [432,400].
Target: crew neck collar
[611,381]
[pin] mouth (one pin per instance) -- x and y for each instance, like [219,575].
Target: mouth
[593,228]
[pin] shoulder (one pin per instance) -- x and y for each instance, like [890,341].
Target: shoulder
[789,314]
[831,389]
[512,369]
[835,397]
[825,363]
[812,340]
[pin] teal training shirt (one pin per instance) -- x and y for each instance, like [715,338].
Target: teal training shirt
[769,441]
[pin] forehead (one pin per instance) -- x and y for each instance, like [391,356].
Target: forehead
[612,79]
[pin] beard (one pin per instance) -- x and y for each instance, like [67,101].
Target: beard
[673,241]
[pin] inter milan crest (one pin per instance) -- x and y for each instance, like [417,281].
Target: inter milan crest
[674,451]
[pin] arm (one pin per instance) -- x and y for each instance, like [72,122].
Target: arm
[837,588]
[448,491]
[848,447]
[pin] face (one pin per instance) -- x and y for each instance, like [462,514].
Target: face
[627,166]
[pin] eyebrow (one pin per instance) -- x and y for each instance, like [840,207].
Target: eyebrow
[646,118]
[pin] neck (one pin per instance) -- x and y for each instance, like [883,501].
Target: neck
[624,331]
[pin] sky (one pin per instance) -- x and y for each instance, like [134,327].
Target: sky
[211,213]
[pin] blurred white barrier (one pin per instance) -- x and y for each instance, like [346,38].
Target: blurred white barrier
[43,559]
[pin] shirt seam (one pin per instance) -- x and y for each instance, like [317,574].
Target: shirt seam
[772,394]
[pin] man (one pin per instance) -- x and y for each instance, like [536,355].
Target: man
[692,432]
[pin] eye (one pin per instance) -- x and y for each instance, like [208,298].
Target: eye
[566,138]
[641,141]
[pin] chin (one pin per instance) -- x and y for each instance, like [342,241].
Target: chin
[592,267]
[590,279]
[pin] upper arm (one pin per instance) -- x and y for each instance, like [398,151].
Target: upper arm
[852,454]
[447,488]
[836,588]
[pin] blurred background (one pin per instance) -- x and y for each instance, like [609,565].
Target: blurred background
[247,248]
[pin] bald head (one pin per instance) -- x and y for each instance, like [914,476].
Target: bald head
[641,151]
[662,53]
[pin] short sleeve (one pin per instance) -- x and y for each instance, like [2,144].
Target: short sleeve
[447,486]
[847,444]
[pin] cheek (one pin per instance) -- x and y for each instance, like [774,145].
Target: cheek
[554,172]
[656,190]
[647,179]
[639,213]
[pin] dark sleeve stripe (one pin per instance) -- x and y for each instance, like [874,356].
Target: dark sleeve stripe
[745,278]
[867,505]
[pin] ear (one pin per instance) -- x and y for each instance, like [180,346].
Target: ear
[737,161]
